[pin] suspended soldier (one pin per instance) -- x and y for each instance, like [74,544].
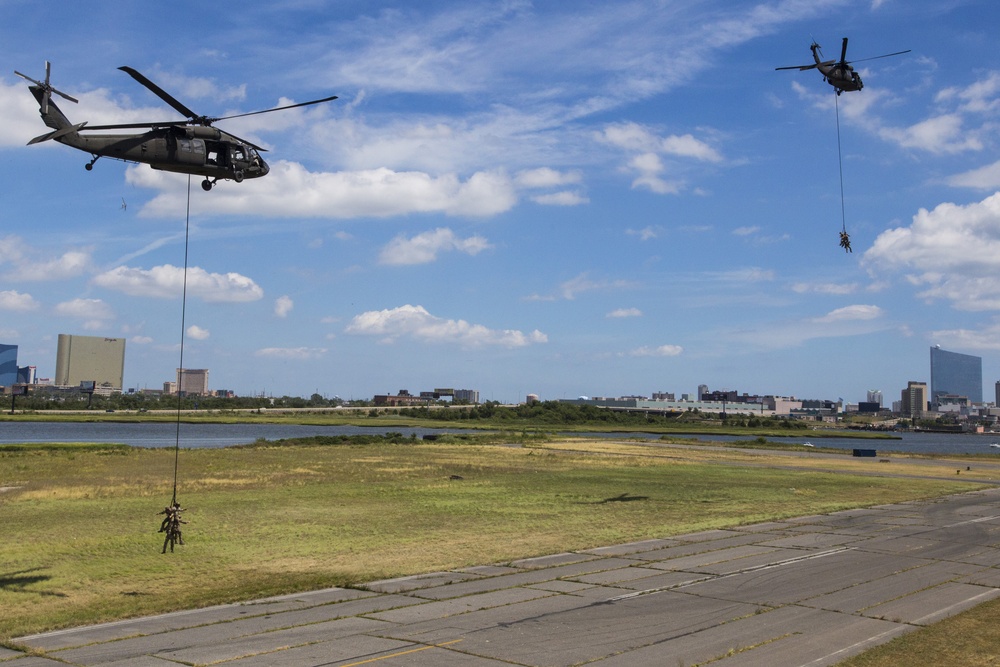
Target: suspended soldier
[171,525]
[845,241]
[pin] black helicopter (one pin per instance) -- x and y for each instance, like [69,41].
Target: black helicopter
[189,146]
[838,74]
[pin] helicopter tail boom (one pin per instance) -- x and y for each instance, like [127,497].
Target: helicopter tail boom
[71,129]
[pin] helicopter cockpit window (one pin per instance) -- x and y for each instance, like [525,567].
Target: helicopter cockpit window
[239,155]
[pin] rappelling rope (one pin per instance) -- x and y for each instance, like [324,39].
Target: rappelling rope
[845,239]
[171,524]
[180,378]
[840,161]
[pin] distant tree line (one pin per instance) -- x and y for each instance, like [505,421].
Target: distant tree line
[562,413]
[148,401]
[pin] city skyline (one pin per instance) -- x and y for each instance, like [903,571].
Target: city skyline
[196,381]
[519,197]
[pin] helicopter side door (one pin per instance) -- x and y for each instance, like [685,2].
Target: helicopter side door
[217,154]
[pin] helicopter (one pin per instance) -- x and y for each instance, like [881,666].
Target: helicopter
[838,74]
[191,146]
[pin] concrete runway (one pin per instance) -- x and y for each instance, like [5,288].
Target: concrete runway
[807,591]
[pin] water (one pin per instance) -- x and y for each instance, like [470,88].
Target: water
[192,436]
[156,434]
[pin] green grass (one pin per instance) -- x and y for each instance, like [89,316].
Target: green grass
[81,543]
[391,418]
[970,639]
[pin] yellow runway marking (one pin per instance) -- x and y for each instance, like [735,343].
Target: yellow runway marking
[393,655]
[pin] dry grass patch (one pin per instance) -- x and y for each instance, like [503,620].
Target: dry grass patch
[277,519]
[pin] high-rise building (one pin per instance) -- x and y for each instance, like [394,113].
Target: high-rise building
[27,374]
[90,359]
[875,396]
[913,401]
[192,381]
[470,396]
[955,374]
[8,365]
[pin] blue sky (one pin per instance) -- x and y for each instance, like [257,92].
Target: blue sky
[566,199]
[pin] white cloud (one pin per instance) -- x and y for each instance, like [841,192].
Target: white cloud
[13,300]
[583,283]
[291,353]
[752,274]
[854,320]
[624,312]
[952,252]
[687,146]
[646,233]
[647,151]
[86,309]
[942,134]
[962,121]
[141,340]
[415,322]
[986,338]
[982,97]
[290,190]
[167,281]
[637,138]
[68,265]
[661,351]
[544,177]
[188,87]
[28,264]
[850,313]
[20,113]
[564,198]
[197,333]
[838,289]
[283,305]
[983,178]
[425,247]
[746,231]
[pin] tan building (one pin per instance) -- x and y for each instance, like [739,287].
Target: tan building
[913,400]
[192,381]
[90,359]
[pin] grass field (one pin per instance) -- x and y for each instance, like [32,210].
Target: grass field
[80,524]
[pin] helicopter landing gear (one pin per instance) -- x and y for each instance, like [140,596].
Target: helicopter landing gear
[206,185]
[238,176]
[90,165]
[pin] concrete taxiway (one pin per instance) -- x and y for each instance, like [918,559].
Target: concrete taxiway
[807,591]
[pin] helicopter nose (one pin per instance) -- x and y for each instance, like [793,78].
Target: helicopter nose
[264,168]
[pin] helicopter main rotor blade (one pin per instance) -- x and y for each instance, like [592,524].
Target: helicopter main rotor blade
[897,53]
[843,52]
[290,106]
[159,92]
[801,68]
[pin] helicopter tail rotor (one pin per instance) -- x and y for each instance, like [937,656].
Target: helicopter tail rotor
[47,88]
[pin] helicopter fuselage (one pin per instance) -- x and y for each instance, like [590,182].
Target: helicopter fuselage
[204,151]
[839,75]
